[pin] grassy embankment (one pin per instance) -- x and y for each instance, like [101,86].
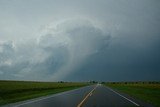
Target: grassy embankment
[13,91]
[145,91]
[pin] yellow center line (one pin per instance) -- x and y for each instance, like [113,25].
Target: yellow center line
[85,98]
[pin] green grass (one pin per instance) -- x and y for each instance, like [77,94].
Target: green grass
[13,91]
[145,91]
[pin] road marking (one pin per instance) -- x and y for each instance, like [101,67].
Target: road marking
[36,100]
[123,97]
[89,94]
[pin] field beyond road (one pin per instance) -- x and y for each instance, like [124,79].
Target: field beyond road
[13,91]
[145,91]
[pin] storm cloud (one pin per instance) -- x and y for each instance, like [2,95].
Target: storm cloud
[57,51]
[80,40]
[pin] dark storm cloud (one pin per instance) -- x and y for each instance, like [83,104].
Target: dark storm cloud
[80,40]
[122,63]
[56,53]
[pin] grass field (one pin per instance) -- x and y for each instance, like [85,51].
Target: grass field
[145,91]
[13,91]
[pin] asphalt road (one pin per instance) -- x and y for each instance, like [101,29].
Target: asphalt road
[64,99]
[105,97]
[90,96]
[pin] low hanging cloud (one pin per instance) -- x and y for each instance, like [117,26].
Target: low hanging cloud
[57,52]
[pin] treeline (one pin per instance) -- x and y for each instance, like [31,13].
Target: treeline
[90,82]
[134,82]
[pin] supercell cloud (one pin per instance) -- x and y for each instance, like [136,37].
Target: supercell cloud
[55,54]
[80,40]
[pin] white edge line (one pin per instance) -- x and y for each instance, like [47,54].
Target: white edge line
[39,99]
[123,97]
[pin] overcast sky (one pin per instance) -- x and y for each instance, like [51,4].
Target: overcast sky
[80,40]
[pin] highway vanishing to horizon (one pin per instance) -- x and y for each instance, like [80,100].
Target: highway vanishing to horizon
[88,96]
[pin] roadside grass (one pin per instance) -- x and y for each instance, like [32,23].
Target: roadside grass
[145,91]
[14,91]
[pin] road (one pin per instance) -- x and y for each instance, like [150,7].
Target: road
[105,97]
[90,96]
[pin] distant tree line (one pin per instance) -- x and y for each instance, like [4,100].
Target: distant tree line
[124,82]
[136,82]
